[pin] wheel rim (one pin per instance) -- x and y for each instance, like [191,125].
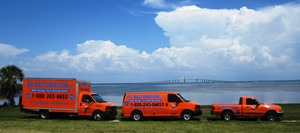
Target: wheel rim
[136,117]
[272,117]
[44,115]
[227,117]
[97,116]
[186,116]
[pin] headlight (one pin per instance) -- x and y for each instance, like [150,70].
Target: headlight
[197,107]
[280,110]
[108,108]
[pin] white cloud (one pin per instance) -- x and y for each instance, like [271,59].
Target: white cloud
[238,44]
[9,50]
[163,4]
[241,36]
[98,56]
[155,3]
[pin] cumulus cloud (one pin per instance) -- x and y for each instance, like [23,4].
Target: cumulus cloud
[98,56]
[216,43]
[9,50]
[258,37]
[105,56]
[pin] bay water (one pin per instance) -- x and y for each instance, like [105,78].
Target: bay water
[287,91]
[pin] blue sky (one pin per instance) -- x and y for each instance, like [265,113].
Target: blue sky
[152,40]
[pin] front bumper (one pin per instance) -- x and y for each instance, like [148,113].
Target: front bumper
[197,113]
[214,113]
[110,113]
[279,114]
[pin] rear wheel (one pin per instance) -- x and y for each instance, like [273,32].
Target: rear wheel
[44,114]
[271,116]
[97,116]
[187,115]
[137,116]
[227,115]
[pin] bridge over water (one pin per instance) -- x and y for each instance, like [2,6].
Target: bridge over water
[184,80]
[178,81]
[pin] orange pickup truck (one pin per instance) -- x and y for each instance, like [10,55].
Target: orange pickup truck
[248,107]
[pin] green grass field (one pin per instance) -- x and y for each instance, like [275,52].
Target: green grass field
[11,120]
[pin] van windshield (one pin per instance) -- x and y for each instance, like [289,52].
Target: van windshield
[98,98]
[183,98]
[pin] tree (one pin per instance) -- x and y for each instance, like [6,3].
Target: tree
[10,78]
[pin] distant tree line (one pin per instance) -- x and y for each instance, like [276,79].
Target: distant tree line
[11,78]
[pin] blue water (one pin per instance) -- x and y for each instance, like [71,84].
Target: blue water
[208,93]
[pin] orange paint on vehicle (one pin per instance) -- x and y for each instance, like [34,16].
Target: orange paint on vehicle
[248,107]
[68,96]
[158,104]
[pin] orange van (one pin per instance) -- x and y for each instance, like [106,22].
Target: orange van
[47,96]
[137,105]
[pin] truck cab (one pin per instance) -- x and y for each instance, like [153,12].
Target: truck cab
[91,104]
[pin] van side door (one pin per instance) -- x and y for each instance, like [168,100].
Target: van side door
[173,107]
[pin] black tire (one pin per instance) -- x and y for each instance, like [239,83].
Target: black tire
[227,115]
[44,114]
[137,115]
[98,116]
[271,116]
[186,115]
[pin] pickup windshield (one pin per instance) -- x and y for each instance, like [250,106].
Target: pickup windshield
[98,98]
[183,98]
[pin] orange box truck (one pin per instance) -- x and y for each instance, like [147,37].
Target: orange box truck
[47,96]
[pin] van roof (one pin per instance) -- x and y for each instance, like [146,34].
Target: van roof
[153,92]
[248,96]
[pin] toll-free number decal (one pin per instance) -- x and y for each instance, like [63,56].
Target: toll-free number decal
[49,96]
[147,104]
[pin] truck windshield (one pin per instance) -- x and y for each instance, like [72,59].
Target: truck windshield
[98,98]
[183,98]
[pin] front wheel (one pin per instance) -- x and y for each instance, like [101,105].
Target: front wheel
[137,116]
[186,115]
[227,115]
[97,116]
[271,116]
